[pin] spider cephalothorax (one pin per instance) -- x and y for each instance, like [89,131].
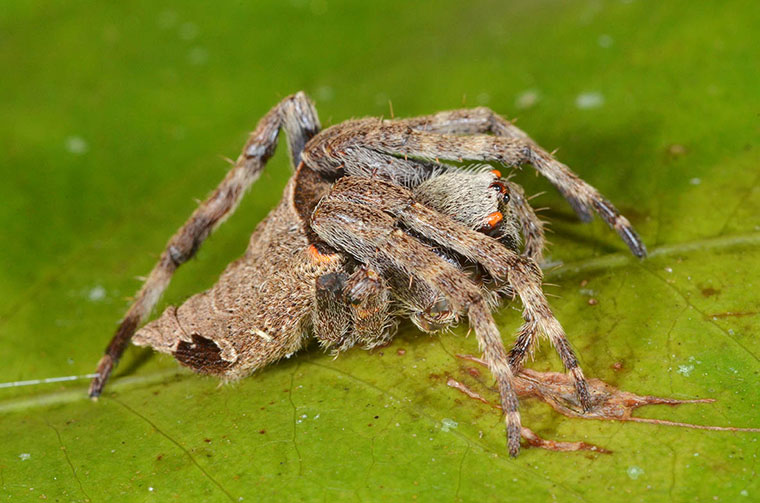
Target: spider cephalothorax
[373,226]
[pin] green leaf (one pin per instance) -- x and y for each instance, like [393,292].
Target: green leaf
[115,116]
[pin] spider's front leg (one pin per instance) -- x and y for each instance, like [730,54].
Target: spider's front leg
[482,120]
[439,136]
[532,227]
[352,308]
[297,116]
[503,264]
[372,237]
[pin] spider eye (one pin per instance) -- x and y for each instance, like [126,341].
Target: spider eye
[502,189]
[498,186]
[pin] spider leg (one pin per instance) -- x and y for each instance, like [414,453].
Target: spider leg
[482,120]
[401,139]
[478,120]
[532,227]
[330,317]
[371,236]
[469,198]
[297,116]
[338,156]
[352,309]
[521,273]
[369,299]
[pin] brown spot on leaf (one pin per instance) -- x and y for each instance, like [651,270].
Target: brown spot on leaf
[676,150]
[453,383]
[553,445]
[709,292]
[473,371]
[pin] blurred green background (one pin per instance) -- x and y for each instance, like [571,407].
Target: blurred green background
[117,116]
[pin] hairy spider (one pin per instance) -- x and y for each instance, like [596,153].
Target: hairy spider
[373,226]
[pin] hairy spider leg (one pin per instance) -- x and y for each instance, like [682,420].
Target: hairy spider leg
[297,116]
[330,318]
[369,298]
[351,308]
[521,273]
[532,226]
[371,236]
[521,149]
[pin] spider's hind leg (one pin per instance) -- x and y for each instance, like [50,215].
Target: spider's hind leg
[295,114]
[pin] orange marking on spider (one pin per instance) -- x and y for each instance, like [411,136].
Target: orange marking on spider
[319,257]
[496,173]
[494,219]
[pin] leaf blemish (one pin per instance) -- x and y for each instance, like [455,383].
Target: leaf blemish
[634,472]
[685,370]
[608,403]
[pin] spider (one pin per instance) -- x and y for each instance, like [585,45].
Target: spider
[373,226]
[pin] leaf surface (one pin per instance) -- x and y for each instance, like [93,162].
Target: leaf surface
[115,119]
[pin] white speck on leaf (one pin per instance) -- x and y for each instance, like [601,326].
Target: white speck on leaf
[96,293]
[589,100]
[448,424]
[527,99]
[685,370]
[695,181]
[77,145]
[24,456]
[634,472]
